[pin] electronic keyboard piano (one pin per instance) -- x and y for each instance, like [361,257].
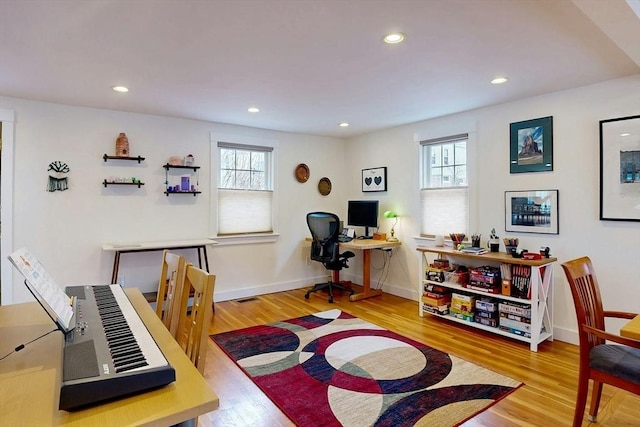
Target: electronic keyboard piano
[110,353]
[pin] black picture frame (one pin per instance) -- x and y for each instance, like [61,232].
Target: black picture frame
[620,169]
[534,211]
[531,145]
[374,179]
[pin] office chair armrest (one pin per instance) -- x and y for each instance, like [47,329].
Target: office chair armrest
[620,314]
[612,337]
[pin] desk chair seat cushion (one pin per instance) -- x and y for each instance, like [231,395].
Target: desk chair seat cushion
[341,262]
[618,360]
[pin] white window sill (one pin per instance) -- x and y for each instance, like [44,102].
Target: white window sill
[246,239]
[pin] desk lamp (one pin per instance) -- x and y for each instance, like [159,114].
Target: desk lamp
[392,214]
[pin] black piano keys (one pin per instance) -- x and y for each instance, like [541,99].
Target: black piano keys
[123,347]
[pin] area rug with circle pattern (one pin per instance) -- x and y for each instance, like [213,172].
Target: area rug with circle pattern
[333,369]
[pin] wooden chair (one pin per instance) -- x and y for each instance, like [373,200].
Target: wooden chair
[617,365]
[195,314]
[169,288]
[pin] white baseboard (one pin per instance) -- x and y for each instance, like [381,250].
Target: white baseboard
[565,335]
[266,289]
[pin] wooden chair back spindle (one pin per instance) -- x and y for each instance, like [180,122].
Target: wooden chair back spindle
[169,289]
[194,318]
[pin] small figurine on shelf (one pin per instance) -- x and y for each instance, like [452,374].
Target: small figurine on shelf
[122,145]
[494,241]
[189,160]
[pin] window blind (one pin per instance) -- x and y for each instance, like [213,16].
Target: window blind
[444,211]
[444,139]
[244,211]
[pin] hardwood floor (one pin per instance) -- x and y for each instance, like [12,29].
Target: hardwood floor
[550,376]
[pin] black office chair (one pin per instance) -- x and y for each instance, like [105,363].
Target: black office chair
[325,229]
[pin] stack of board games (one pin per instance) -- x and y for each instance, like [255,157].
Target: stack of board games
[515,318]
[485,279]
[462,306]
[487,312]
[435,271]
[436,299]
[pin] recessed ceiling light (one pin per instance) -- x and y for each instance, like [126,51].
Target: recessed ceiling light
[499,80]
[344,125]
[393,38]
[121,89]
[625,134]
[253,109]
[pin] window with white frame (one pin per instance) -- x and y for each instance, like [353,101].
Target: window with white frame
[444,187]
[245,189]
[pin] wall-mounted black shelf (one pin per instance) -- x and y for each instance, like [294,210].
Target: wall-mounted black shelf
[167,166]
[105,183]
[139,159]
[182,192]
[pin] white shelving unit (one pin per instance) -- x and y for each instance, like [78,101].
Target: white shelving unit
[541,285]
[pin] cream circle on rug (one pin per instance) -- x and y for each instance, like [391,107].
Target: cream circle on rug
[381,358]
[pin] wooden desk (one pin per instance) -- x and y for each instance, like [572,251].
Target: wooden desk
[632,329]
[366,245]
[122,248]
[30,379]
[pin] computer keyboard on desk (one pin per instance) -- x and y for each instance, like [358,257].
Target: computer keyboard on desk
[344,239]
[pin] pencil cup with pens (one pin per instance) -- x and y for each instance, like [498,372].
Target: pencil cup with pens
[511,245]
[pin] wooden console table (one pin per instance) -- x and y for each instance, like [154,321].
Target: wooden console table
[122,248]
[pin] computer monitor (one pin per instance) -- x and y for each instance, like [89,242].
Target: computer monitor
[363,213]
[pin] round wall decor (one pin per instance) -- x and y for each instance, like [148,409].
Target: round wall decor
[324,186]
[302,172]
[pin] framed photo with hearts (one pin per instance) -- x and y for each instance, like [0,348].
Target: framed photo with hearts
[374,179]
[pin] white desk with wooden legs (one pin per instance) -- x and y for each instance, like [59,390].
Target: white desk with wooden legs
[30,379]
[365,246]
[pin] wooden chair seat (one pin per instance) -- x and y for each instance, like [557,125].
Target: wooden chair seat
[616,360]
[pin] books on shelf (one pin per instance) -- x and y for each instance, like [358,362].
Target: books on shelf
[521,281]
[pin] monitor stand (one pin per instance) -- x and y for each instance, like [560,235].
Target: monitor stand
[366,234]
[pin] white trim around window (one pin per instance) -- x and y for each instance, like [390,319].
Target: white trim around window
[230,139]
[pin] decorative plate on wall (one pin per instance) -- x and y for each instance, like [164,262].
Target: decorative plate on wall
[302,172]
[324,186]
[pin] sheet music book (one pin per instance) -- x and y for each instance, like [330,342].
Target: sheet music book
[474,250]
[44,288]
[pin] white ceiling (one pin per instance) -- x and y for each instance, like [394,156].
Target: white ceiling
[310,64]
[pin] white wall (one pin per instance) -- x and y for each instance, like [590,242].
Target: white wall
[67,229]
[614,247]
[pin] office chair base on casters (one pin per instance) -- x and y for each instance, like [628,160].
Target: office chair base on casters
[329,286]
